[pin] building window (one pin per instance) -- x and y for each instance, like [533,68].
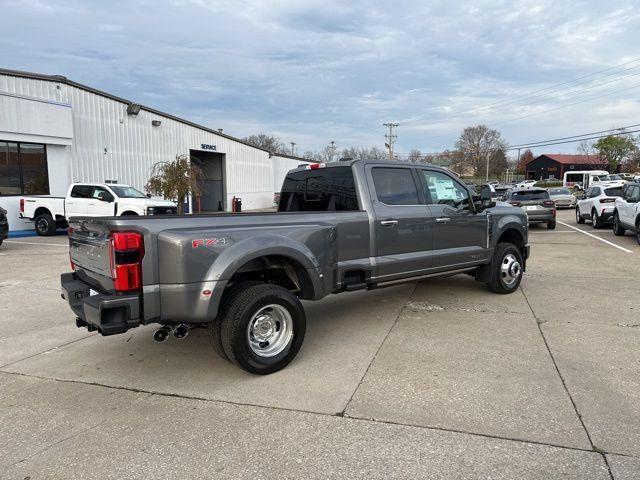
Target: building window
[23,169]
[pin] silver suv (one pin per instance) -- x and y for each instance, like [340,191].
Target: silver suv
[626,213]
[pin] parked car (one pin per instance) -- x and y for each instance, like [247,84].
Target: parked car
[626,213]
[607,180]
[526,183]
[562,197]
[597,205]
[626,176]
[500,191]
[343,226]
[536,203]
[90,200]
[4,225]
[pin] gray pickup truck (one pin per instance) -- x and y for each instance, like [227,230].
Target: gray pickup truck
[340,227]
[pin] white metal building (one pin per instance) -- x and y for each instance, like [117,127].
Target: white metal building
[54,132]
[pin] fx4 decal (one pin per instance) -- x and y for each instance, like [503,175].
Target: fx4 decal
[208,242]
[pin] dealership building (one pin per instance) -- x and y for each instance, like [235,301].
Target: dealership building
[54,132]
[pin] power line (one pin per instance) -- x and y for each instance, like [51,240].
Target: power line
[553,87]
[545,143]
[525,145]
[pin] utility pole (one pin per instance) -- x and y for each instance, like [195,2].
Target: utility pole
[518,165]
[293,145]
[333,150]
[391,137]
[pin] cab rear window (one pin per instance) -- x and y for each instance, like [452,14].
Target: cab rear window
[322,190]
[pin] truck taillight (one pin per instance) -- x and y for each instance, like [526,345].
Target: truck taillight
[22,205]
[126,253]
[69,233]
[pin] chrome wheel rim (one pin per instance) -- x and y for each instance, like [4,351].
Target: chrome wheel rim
[270,330]
[510,269]
[42,225]
[594,219]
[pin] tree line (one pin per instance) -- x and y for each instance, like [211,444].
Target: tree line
[477,148]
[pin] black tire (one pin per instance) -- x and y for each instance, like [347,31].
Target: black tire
[1,240]
[618,231]
[214,326]
[498,282]
[246,302]
[638,235]
[595,220]
[579,218]
[551,225]
[45,225]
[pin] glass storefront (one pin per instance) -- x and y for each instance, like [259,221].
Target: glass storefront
[23,169]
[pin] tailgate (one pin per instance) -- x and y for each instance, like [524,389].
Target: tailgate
[90,252]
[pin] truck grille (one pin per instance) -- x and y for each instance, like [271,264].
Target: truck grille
[165,210]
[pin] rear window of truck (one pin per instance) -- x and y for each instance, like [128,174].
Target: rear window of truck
[322,190]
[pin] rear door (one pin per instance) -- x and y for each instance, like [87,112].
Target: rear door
[77,202]
[460,234]
[403,240]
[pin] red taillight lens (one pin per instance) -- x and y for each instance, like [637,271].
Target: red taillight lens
[127,250]
[69,233]
[22,205]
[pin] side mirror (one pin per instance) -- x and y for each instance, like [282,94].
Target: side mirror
[105,197]
[148,195]
[484,200]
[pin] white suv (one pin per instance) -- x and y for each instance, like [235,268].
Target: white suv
[626,215]
[597,205]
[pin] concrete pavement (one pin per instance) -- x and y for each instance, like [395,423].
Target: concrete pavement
[441,380]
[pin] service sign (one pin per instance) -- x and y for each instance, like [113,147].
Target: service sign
[207,146]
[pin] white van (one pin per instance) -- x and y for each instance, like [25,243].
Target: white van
[581,179]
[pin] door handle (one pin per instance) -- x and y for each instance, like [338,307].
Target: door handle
[389,223]
[443,220]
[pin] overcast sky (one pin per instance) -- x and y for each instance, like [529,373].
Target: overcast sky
[321,70]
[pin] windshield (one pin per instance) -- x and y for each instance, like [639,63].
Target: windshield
[530,195]
[127,192]
[559,191]
[613,192]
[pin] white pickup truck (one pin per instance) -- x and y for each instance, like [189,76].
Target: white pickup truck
[90,200]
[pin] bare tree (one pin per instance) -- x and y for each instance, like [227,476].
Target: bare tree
[593,158]
[526,157]
[477,145]
[415,156]
[364,153]
[268,142]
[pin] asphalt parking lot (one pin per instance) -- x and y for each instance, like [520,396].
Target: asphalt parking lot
[439,379]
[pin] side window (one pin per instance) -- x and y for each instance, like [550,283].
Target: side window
[395,186]
[442,189]
[81,191]
[633,193]
[101,193]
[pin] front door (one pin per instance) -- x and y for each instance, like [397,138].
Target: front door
[101,203]
[460,234]
[403,242]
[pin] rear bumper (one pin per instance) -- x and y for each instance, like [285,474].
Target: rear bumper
[541,217]
[108,314]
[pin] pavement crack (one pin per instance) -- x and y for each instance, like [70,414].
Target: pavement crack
[295,410]
[566,388]
[44,352]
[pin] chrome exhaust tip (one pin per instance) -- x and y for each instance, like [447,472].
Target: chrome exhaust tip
[162,334]
[181,331]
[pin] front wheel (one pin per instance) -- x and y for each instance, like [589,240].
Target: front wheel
[618,231]
[506,268]
[579,218]
[262,328]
